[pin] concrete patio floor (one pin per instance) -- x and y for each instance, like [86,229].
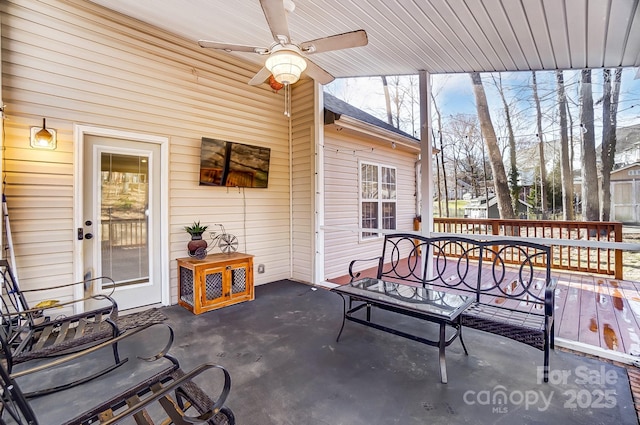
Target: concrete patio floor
[287,368]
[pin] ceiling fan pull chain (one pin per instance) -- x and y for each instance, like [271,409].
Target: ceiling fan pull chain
[287,100]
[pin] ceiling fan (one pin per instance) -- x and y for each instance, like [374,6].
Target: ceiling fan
[287,60]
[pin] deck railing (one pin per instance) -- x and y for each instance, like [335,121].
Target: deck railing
[585,259]
[124,232]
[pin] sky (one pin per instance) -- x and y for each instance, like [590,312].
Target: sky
[454,95]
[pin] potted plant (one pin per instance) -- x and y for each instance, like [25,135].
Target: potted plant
[197,246]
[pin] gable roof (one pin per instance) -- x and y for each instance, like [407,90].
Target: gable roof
[337,108]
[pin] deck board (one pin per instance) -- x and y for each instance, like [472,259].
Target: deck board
[592,309]
[609,328]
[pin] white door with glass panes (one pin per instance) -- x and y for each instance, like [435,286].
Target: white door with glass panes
[121,219]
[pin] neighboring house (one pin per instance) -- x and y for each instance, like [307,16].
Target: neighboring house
[625,194]
[369,181]
[627,145]
[477,208]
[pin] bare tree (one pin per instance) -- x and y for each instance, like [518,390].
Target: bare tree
[543,166]
[495,158]
[610,97]
[440,160]
[387,99]
[590,191]
[565,168]
[463,138]
[513,172]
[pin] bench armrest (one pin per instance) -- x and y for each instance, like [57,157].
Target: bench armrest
[550,297]
[354,274]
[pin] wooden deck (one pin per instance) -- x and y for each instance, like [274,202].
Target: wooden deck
[590,309]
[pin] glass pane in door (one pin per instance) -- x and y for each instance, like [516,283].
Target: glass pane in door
[124,203]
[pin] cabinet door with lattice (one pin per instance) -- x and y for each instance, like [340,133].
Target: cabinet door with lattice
[216,281]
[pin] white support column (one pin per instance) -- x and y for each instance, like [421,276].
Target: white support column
[318,187]
[426,154]
[426,166]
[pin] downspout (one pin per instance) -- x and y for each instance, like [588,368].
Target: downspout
[290,136]
[318,185]
[418,173]
[2,154]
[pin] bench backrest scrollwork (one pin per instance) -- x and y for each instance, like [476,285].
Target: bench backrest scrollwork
[466,265]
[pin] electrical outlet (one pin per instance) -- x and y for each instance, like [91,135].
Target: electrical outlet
[260,268]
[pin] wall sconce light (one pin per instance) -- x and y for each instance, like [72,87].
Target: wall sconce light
[43,138]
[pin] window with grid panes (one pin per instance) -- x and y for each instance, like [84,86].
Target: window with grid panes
[377,198]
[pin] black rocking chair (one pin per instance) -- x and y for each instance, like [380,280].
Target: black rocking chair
[34,333]
[180,400]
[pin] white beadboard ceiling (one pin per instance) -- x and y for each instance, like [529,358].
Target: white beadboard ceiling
[406,36]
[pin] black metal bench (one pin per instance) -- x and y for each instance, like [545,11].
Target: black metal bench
[516,302]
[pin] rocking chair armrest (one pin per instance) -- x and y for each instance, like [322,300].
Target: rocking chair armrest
[113,307]
[355,275]
[175,385]
[124,335]
[85,281]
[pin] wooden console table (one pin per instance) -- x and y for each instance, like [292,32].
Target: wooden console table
[217,281]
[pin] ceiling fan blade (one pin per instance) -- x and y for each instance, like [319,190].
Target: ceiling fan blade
[231,47]
[318,74]
[336,42]
[276,16]
[260,77]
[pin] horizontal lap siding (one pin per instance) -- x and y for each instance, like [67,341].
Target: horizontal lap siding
[302,181]
[342,152]
[76,63]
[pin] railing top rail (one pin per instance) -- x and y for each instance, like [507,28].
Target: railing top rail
[529,223]
[624,246]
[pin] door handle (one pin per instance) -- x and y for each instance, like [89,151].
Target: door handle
[82,235]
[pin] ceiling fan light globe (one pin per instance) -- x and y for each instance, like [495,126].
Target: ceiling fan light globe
[286,66]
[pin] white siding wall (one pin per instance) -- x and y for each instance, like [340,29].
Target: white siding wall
[342,151]
[74,62]
[303,181]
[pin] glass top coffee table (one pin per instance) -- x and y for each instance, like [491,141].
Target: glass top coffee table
[422,303]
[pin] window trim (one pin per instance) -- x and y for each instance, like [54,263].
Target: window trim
[379,201]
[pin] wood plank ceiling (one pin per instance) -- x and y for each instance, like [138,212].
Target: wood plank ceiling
[405,36]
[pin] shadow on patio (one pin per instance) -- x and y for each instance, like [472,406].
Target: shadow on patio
[288,369]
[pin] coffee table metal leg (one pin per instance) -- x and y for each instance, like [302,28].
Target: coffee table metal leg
[460,336]
[443,363]
[344,315]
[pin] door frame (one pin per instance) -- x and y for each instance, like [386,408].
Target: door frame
[79,132]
